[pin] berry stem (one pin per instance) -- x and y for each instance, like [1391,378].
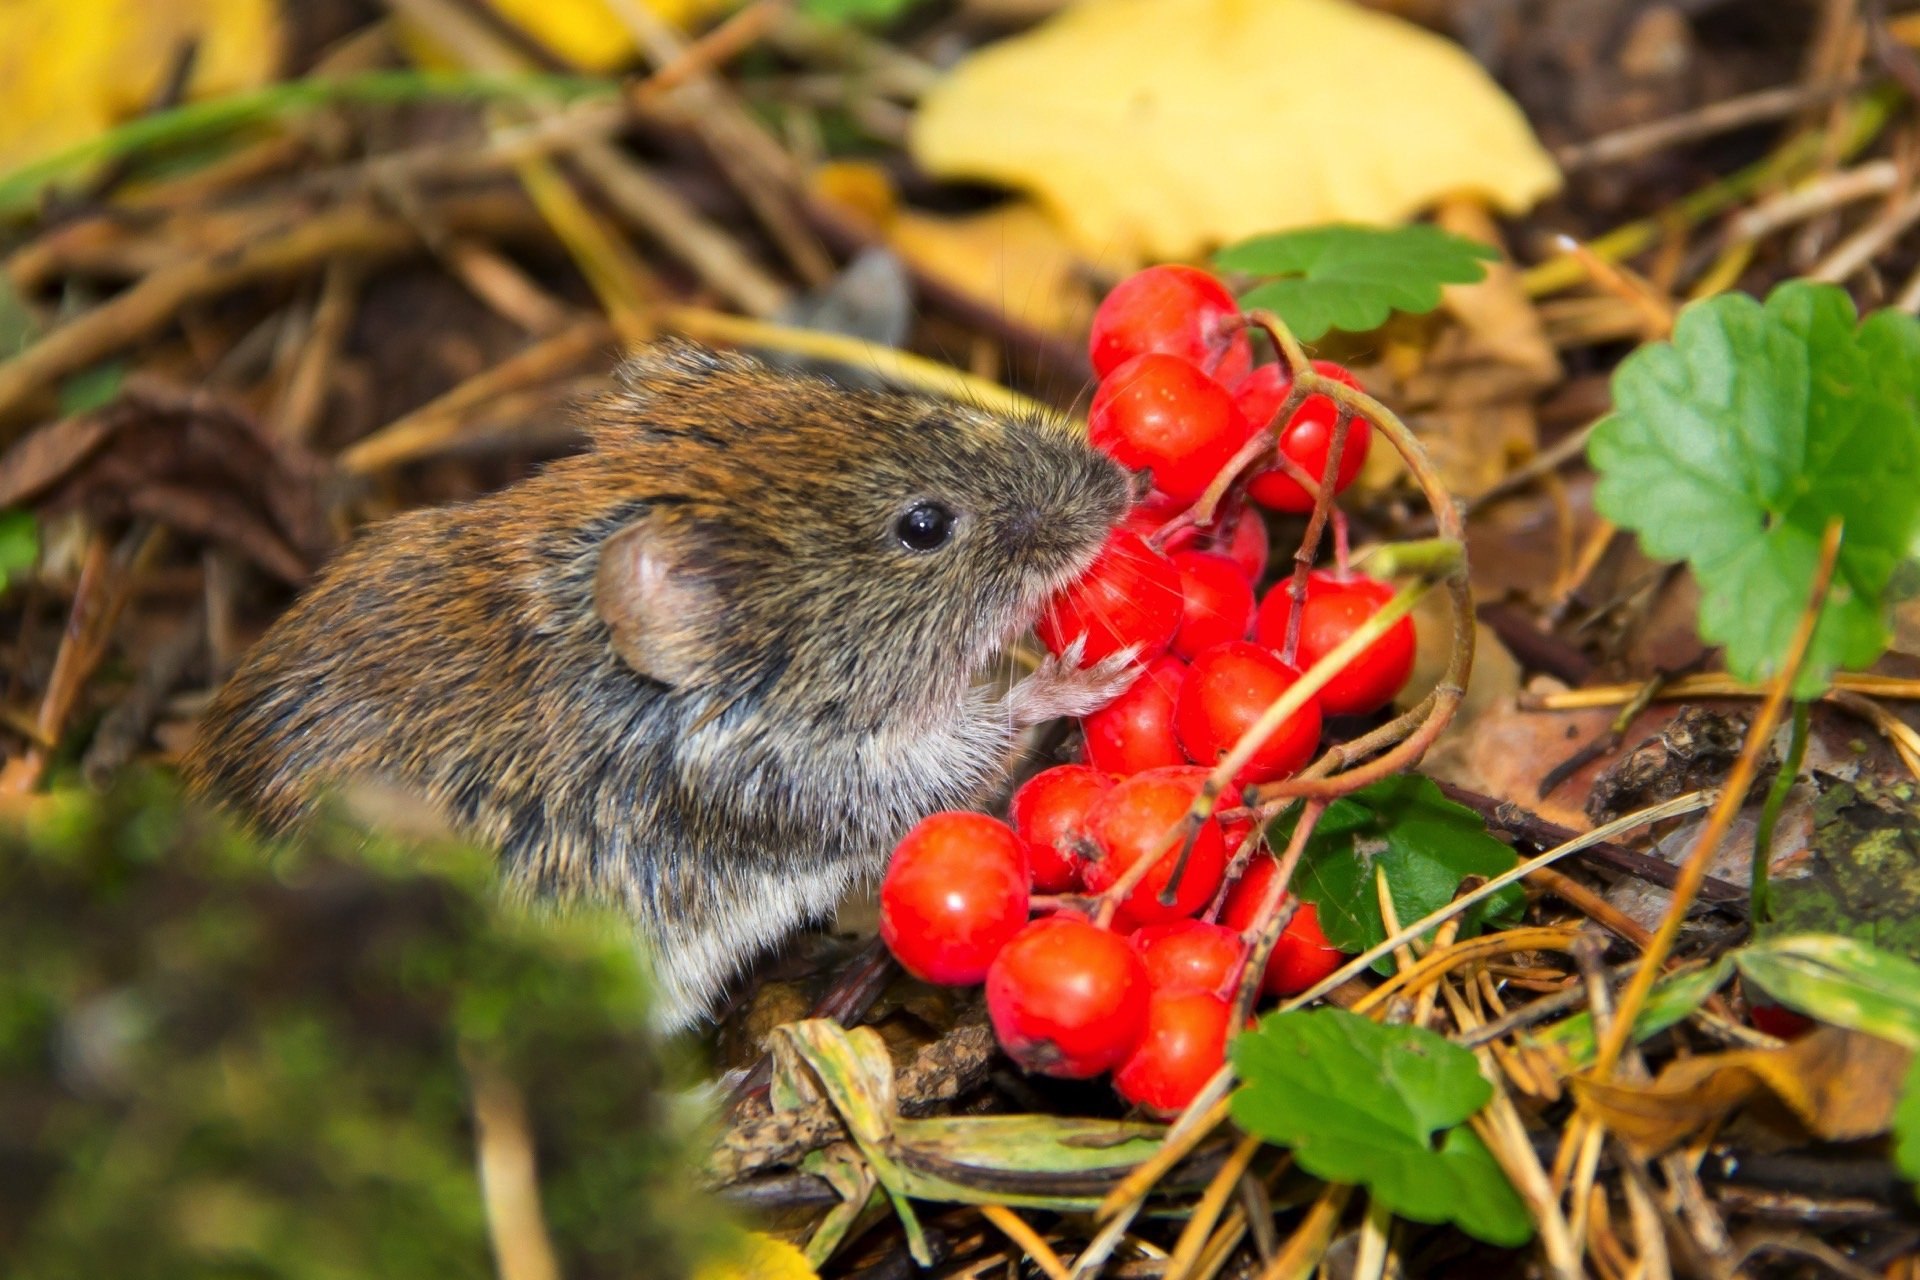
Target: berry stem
[1271,919]
[1260,443]
[1309,548]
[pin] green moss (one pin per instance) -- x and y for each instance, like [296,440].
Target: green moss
[221,1059]
[1864,878]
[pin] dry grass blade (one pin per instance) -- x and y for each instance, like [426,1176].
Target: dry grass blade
[1732,796]
[1015,1228]
[1599,835]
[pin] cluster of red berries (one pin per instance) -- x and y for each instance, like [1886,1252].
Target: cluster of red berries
[1142,986]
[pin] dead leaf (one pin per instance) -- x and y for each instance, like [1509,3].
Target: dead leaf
[185,460]
[1013,259]
[1162,128]
[1840,1084]
[71,68]
[1475,387]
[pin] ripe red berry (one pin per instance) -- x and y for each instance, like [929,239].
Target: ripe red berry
[1181,311]
[1217,601]
[954,892]
[1334,608]
[1130,596]
[1188,955]
[1184,1044]
[1246,541]
[1159,413]
[1135,731]
[1049,812]
[1302,956]
[1243,538]
[1306,439]
[1779,1021]
[1066,998]
[1134,820]
[1228,688]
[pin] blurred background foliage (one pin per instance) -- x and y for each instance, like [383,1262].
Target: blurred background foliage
[224,1059]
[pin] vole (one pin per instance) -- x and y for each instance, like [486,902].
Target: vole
[712,668]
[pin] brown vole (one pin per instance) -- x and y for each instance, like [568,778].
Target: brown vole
[712,668]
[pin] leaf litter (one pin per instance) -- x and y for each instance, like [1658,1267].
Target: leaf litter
[217,292]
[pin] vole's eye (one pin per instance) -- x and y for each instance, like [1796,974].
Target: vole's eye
[924,526]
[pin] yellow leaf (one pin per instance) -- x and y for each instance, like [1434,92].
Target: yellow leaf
[69,69]
[590,34]
[1013,259]
[760,1257]
[1163,128]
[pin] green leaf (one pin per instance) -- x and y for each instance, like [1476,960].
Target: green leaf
[1732,445]
[19,546]
[1360,1103]
[873,13]
[1906,1126]
[92,389]
[1354,277]
[17,325]
[1671,1000]
[1843,981]
[1425,843]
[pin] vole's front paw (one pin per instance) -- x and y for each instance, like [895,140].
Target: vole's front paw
[1060,686]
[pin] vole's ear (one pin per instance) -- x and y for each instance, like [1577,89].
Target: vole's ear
[656,595]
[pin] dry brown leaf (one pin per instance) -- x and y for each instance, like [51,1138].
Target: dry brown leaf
[1162,128]
[1840,1084]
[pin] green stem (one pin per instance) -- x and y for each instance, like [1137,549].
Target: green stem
[195,121]
[1770,811]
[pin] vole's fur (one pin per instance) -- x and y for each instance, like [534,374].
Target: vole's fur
[693,669]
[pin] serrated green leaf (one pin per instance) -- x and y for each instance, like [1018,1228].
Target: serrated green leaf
[1425,843]
[1732,445]
[1906,1126]
[1360,1103]
[1354,277]
[19,546]
[1840,980]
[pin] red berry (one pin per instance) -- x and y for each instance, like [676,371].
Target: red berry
[1181,311]
[1184,1044]
[1243,540]
[1306,439]
[1228,688]
[1130,596]
[1335,607]
[1049,812]
[1302,956]
[1217,601]
[1779,1021]
[1135,730]
[1134,820]
[1159,413]
[1066,998]
[1188,955]
[954,892]
[1246,542]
